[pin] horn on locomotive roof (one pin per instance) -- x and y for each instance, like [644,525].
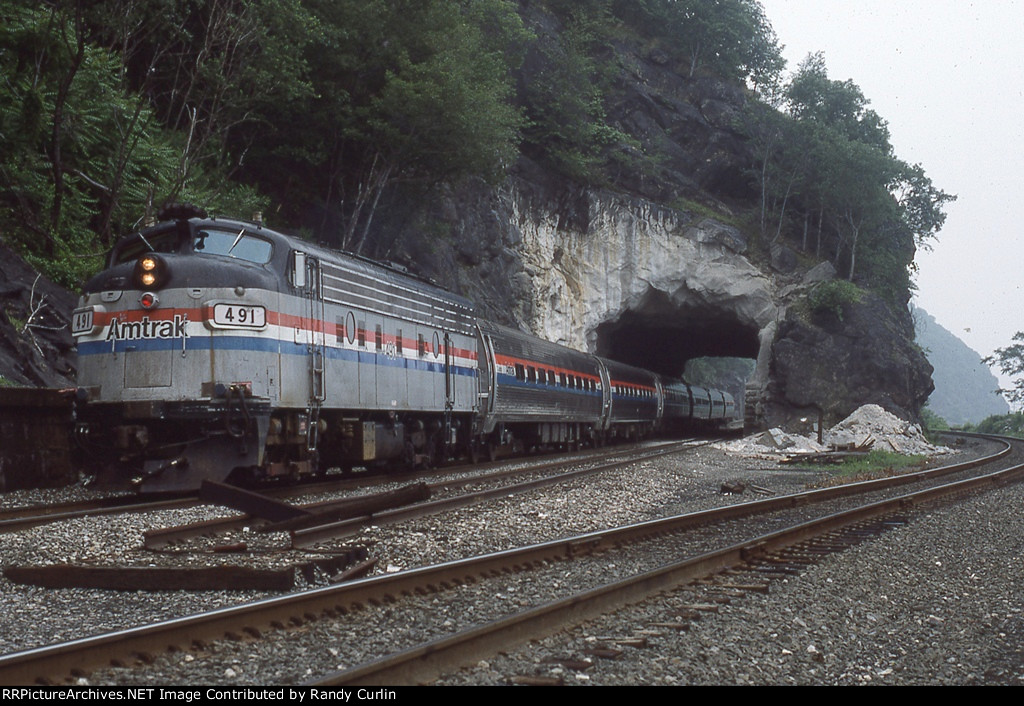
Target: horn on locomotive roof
[181,212]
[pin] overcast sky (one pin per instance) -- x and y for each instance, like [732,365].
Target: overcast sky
[948,76]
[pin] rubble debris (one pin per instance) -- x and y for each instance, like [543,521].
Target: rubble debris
[869,427]
[732,488]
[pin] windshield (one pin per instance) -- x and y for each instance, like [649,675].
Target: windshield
[210,241]
[166,242]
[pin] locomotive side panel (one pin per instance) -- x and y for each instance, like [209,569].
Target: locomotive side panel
[401,346]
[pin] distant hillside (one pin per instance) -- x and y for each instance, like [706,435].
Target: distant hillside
[964,386]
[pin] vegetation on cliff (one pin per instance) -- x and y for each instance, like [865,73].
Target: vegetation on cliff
[324,112]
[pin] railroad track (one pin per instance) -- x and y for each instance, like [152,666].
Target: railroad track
[326,605]
[309,534]
[14,519]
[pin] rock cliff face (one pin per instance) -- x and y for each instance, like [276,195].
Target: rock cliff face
[822,362]
[617,272]
[652,286]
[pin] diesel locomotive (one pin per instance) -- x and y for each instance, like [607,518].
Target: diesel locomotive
[209,347]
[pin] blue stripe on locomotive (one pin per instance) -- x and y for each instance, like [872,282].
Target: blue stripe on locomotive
[265,345]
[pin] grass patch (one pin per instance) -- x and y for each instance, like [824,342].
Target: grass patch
[872,465]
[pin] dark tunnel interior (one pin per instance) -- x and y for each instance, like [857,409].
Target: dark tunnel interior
[662,336]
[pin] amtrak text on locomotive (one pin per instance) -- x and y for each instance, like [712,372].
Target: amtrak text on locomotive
[147,329]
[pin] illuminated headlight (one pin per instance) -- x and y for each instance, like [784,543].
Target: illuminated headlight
[150,272]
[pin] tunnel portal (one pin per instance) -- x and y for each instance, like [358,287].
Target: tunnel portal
[662,335]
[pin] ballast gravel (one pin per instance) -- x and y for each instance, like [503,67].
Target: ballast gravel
[865,616]
[938,601]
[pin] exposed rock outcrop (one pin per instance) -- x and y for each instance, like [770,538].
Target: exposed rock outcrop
[36,348]
[820,361]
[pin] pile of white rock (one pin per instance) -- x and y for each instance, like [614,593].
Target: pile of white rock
[869,426]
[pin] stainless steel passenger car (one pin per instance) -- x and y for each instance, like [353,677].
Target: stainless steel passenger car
[536,393]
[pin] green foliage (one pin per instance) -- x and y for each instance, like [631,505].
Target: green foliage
[565,101]
[403,92]
[81,157]
[932,421]
[330,109]
[1002,424]
[831,296]
[732,39]
[1010,361]
[826,169]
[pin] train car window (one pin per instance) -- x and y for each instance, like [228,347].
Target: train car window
[421,346]
[378,338]
[437,345]
[361,334]
[520,372]
[237,244]
[564,382]
[398,342]
[531,374]
[551,378]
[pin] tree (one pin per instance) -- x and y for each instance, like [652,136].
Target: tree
[403,92]
[732,39]
[827,159]
[213,71]
[81,156]
[1010,361]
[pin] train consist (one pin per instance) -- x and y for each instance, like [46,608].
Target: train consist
[212,346]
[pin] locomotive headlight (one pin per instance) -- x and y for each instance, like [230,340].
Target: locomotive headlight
[150,272]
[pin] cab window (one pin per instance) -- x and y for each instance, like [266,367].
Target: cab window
[237,244]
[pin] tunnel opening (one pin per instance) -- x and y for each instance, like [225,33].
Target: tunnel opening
[698,342]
